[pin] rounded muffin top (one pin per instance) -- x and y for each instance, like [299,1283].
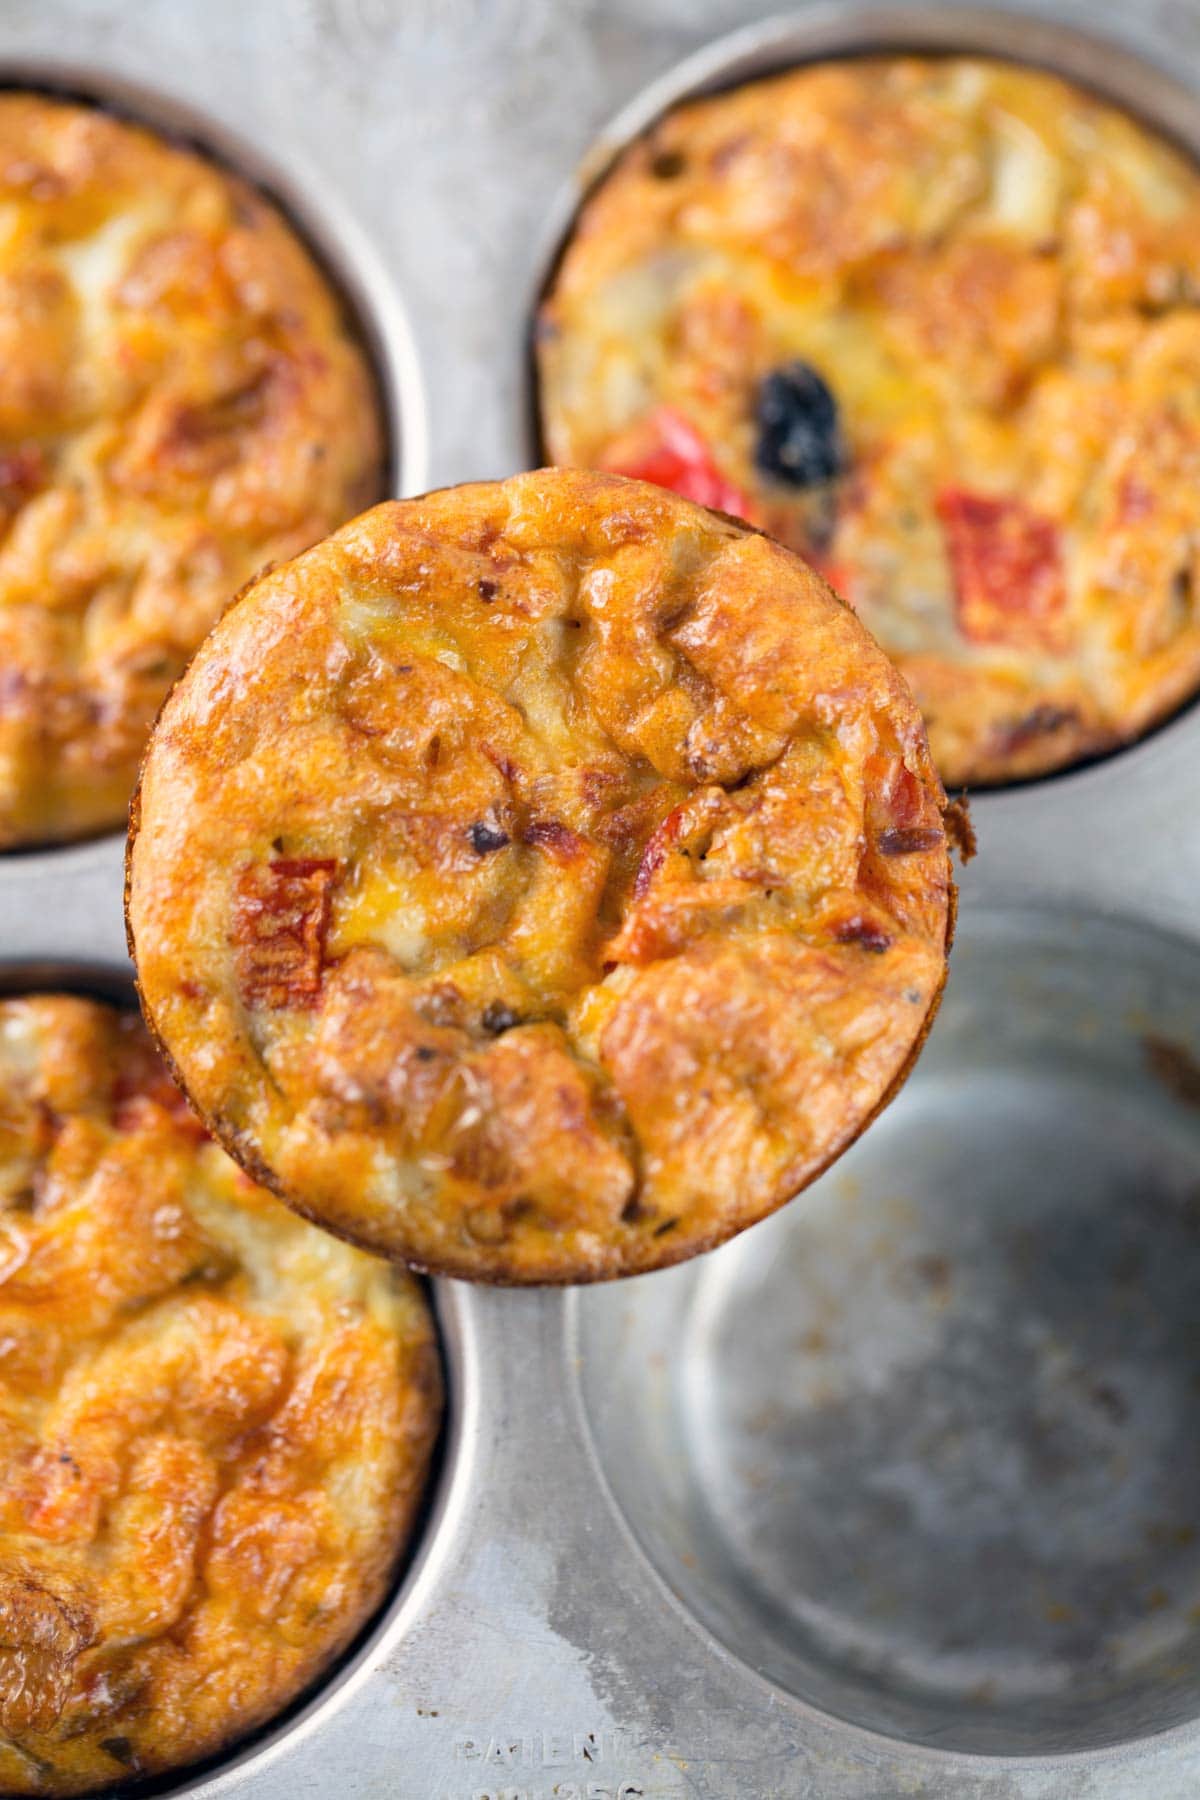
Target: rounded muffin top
[215,1421]
[934,324]
[541,880]
[181,402]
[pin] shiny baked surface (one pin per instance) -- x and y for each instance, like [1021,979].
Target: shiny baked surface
[541,880]
[996,278]
[181,402]
[215,1421]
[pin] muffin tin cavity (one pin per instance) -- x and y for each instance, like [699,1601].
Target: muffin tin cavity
[346,255]
[917,1449]
[300,416]
[666,349]
[126,1235]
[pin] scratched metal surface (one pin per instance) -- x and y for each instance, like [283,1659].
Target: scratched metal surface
[897,1495]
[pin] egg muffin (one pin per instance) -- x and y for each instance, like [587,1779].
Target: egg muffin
[541,880]
[215,1421]
[934,324]
[182,401]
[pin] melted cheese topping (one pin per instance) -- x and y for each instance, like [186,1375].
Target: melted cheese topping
[541,880]
[997,276]
[215,1420]
[181,403]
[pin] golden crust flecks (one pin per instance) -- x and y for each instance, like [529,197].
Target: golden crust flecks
[541,880]
[180,403]
[215,1421]
[997,276]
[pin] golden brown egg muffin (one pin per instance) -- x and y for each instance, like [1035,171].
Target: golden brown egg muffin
[934,324]
[181,401]
[215,1421]
[541,880]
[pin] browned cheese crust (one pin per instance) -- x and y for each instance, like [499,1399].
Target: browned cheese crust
[180,402]
[996,278]
[215,1421]
[541,880]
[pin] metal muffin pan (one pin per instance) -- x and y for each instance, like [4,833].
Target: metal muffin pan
[898,1493]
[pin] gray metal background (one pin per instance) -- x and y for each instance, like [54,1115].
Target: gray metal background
[540,1646]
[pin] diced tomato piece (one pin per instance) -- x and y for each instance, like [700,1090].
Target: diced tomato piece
[677,457]
[1007,566]
[281,916]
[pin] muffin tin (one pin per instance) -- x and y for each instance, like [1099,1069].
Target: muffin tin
[897,1494]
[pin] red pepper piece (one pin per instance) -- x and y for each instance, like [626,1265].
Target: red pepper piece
[677,457]
[281,916]
[1007,566]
